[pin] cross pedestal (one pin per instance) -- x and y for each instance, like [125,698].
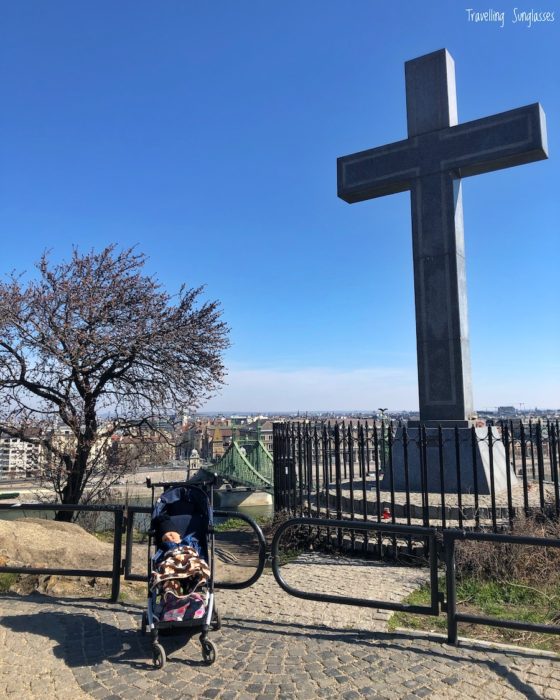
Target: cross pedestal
[430,164]
[476,470]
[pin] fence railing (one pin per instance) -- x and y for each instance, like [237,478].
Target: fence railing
[123,524]
[427,534]
[450,538]
[478,477]
[441,548]
[133,511]
[114,573]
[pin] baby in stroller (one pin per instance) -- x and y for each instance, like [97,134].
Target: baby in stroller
[181,572]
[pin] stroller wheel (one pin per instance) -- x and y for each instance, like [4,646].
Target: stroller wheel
[144,623]
[208,652]
[158,655]
[216,622]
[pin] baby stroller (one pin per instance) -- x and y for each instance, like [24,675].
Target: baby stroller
[181,576]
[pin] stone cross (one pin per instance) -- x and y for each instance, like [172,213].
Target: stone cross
[430,164]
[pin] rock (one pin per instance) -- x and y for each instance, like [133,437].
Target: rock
[47,543]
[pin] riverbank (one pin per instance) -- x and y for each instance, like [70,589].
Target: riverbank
[28,491]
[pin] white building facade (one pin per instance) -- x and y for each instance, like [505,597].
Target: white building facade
[18,458]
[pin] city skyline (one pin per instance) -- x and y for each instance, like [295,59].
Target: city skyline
[319,385]
[208,136]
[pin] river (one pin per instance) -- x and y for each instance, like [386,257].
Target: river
[104,521]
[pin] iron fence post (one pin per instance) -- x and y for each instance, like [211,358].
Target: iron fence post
[129,524]
[309,465]
[492,479]
[117,546]
[505,438]
[363,472]
[377,485]
[392,479]
[441,476]
[554,466]
[406,481]
[317,469]
[474,450]
[338,478]
[532,443]
[524,468]
[424,476]
[300,470]
[350,449]
[383,443]
[326,468]
[275,438]
[451,587]
[540,465]
[293,473]
[458,468]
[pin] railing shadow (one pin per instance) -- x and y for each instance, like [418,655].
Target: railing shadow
[82,640]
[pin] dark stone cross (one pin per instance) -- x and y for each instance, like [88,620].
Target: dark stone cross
[430,163]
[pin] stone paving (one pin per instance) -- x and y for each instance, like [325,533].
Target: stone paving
[271,645]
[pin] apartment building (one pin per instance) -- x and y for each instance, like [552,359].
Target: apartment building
[18,458]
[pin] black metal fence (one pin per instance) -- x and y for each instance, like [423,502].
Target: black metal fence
[114,573]
[124,525]
[317,528]
[453,617]
[382,471]
[440,546]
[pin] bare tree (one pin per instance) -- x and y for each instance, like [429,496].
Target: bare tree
[95,346]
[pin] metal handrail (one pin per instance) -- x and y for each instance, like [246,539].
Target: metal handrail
[123,521]
[129,576]
[113,574]
[453,617]
[428,533]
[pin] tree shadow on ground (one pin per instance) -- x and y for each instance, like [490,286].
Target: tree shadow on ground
[83,640]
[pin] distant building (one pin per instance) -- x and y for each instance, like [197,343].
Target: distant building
[261,430]
[194,460]
[141,450]
[506,411]
[210,437]
[219,441]
[18,458]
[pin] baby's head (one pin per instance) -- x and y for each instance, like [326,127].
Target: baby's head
[172,536]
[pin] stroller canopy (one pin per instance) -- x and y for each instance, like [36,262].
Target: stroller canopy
[186,510]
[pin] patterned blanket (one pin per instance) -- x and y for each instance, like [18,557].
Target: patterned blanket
[182,565]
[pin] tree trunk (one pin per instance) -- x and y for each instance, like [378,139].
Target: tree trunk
[64,516]
[74,487]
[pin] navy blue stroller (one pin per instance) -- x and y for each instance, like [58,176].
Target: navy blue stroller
[186,509]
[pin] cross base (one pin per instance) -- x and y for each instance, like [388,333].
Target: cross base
[468,482]
[443,423]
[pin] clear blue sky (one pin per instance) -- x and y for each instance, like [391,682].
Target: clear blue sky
[207,133]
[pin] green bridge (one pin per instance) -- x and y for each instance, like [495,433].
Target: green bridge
[246,463]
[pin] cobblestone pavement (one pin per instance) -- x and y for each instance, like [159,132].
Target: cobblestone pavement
[271,645]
